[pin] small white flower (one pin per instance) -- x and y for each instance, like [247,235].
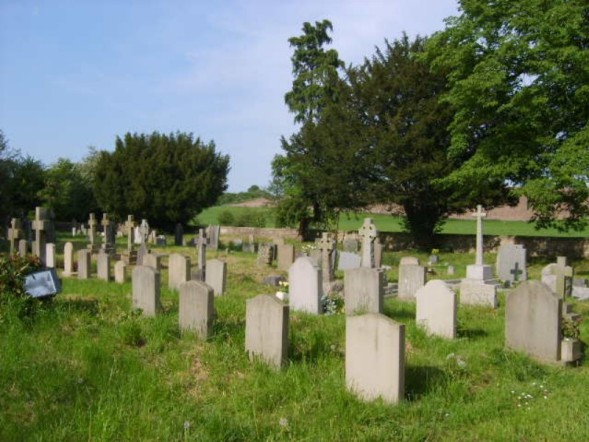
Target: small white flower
[283,422]
[186,425]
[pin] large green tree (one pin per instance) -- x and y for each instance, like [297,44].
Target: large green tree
[68,191]
[519,81]
[164,178]
[314,175]
[404,126]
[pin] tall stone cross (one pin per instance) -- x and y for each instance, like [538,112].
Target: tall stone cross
[201,251]
[40,225]
[327,248]
[479,247]
[564,277]
[92,228]
[106,224]
[130,225]
[368,233]
[14,233]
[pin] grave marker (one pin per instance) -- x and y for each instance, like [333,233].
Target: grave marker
[196,308]
[40,226]
[305,286]
[375,357]
[14,233]
[178,270]
[368,234]
[84,260]
[412,277]
[266,330]
[327,246]
[50,255]
[68,259]
[363,291]
[216,276]
[120,272]
[146,290]
[436,309]
[103,265]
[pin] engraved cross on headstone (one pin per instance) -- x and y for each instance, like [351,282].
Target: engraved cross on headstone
[368,233]
[327,247]
[479,245]
[516,271]
[14,233]
[130,225]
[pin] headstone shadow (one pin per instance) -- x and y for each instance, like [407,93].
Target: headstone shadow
[421,379]
[471,333]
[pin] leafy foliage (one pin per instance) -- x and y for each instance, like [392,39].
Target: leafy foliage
[519,76]
[68,191]
[13,298]
[164,178]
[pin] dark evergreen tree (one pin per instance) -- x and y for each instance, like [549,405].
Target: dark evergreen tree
[164,178]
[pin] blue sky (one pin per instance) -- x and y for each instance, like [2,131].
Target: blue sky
[78,73]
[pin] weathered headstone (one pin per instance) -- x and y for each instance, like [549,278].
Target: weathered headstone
[40,226]
[305,286]
[473,292]
[375,357]
[479,271]
[14,234]
[68,259]
[108,244]
[533,321]
[265,254]
[512,263]
[130,229]
[368,233]
[350,245]
[213,233]
[179,235]
[23,247]
[120,272]
[196,309]
[327,247]
[146,290]
[50,255]
[559,277]
[378,249]
[153,260]
[348,260]
[103,265]
[178,270]
[216,276]
[412,277]
[363,291]
[436,309]
[201,254]
[84,261]
[266,330]
[285,256]
[93,246]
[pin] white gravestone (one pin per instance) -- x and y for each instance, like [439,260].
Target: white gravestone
[363,291]
[146,290]
[305,286]
[436,309]
[196,308]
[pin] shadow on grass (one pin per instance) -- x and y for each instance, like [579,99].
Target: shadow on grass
[421,379]
[82,305]
[471,333]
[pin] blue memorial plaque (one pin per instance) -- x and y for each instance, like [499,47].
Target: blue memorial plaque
[42,283]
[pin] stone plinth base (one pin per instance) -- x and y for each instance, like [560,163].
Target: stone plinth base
[476,292]
[479,272]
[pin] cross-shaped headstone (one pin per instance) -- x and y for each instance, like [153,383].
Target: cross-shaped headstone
[92,228]
[564,278]
[40,225]
[516,271]
[106,224]
[368,233]
[14,233]
[144,230]
[479,245]
[327,247]
[130,225]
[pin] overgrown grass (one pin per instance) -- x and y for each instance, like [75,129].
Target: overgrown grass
[89,368]
[388,223]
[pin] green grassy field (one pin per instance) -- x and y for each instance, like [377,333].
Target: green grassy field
[87,367]
[388,223]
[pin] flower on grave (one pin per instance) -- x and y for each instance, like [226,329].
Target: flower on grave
[570,327]
[435,251]
[308,248]
[332,303]
[283,286]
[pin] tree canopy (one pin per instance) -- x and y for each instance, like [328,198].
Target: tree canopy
[519,82]
[164,178]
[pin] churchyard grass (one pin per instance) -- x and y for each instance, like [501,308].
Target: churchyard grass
[87,367]
[388,223]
